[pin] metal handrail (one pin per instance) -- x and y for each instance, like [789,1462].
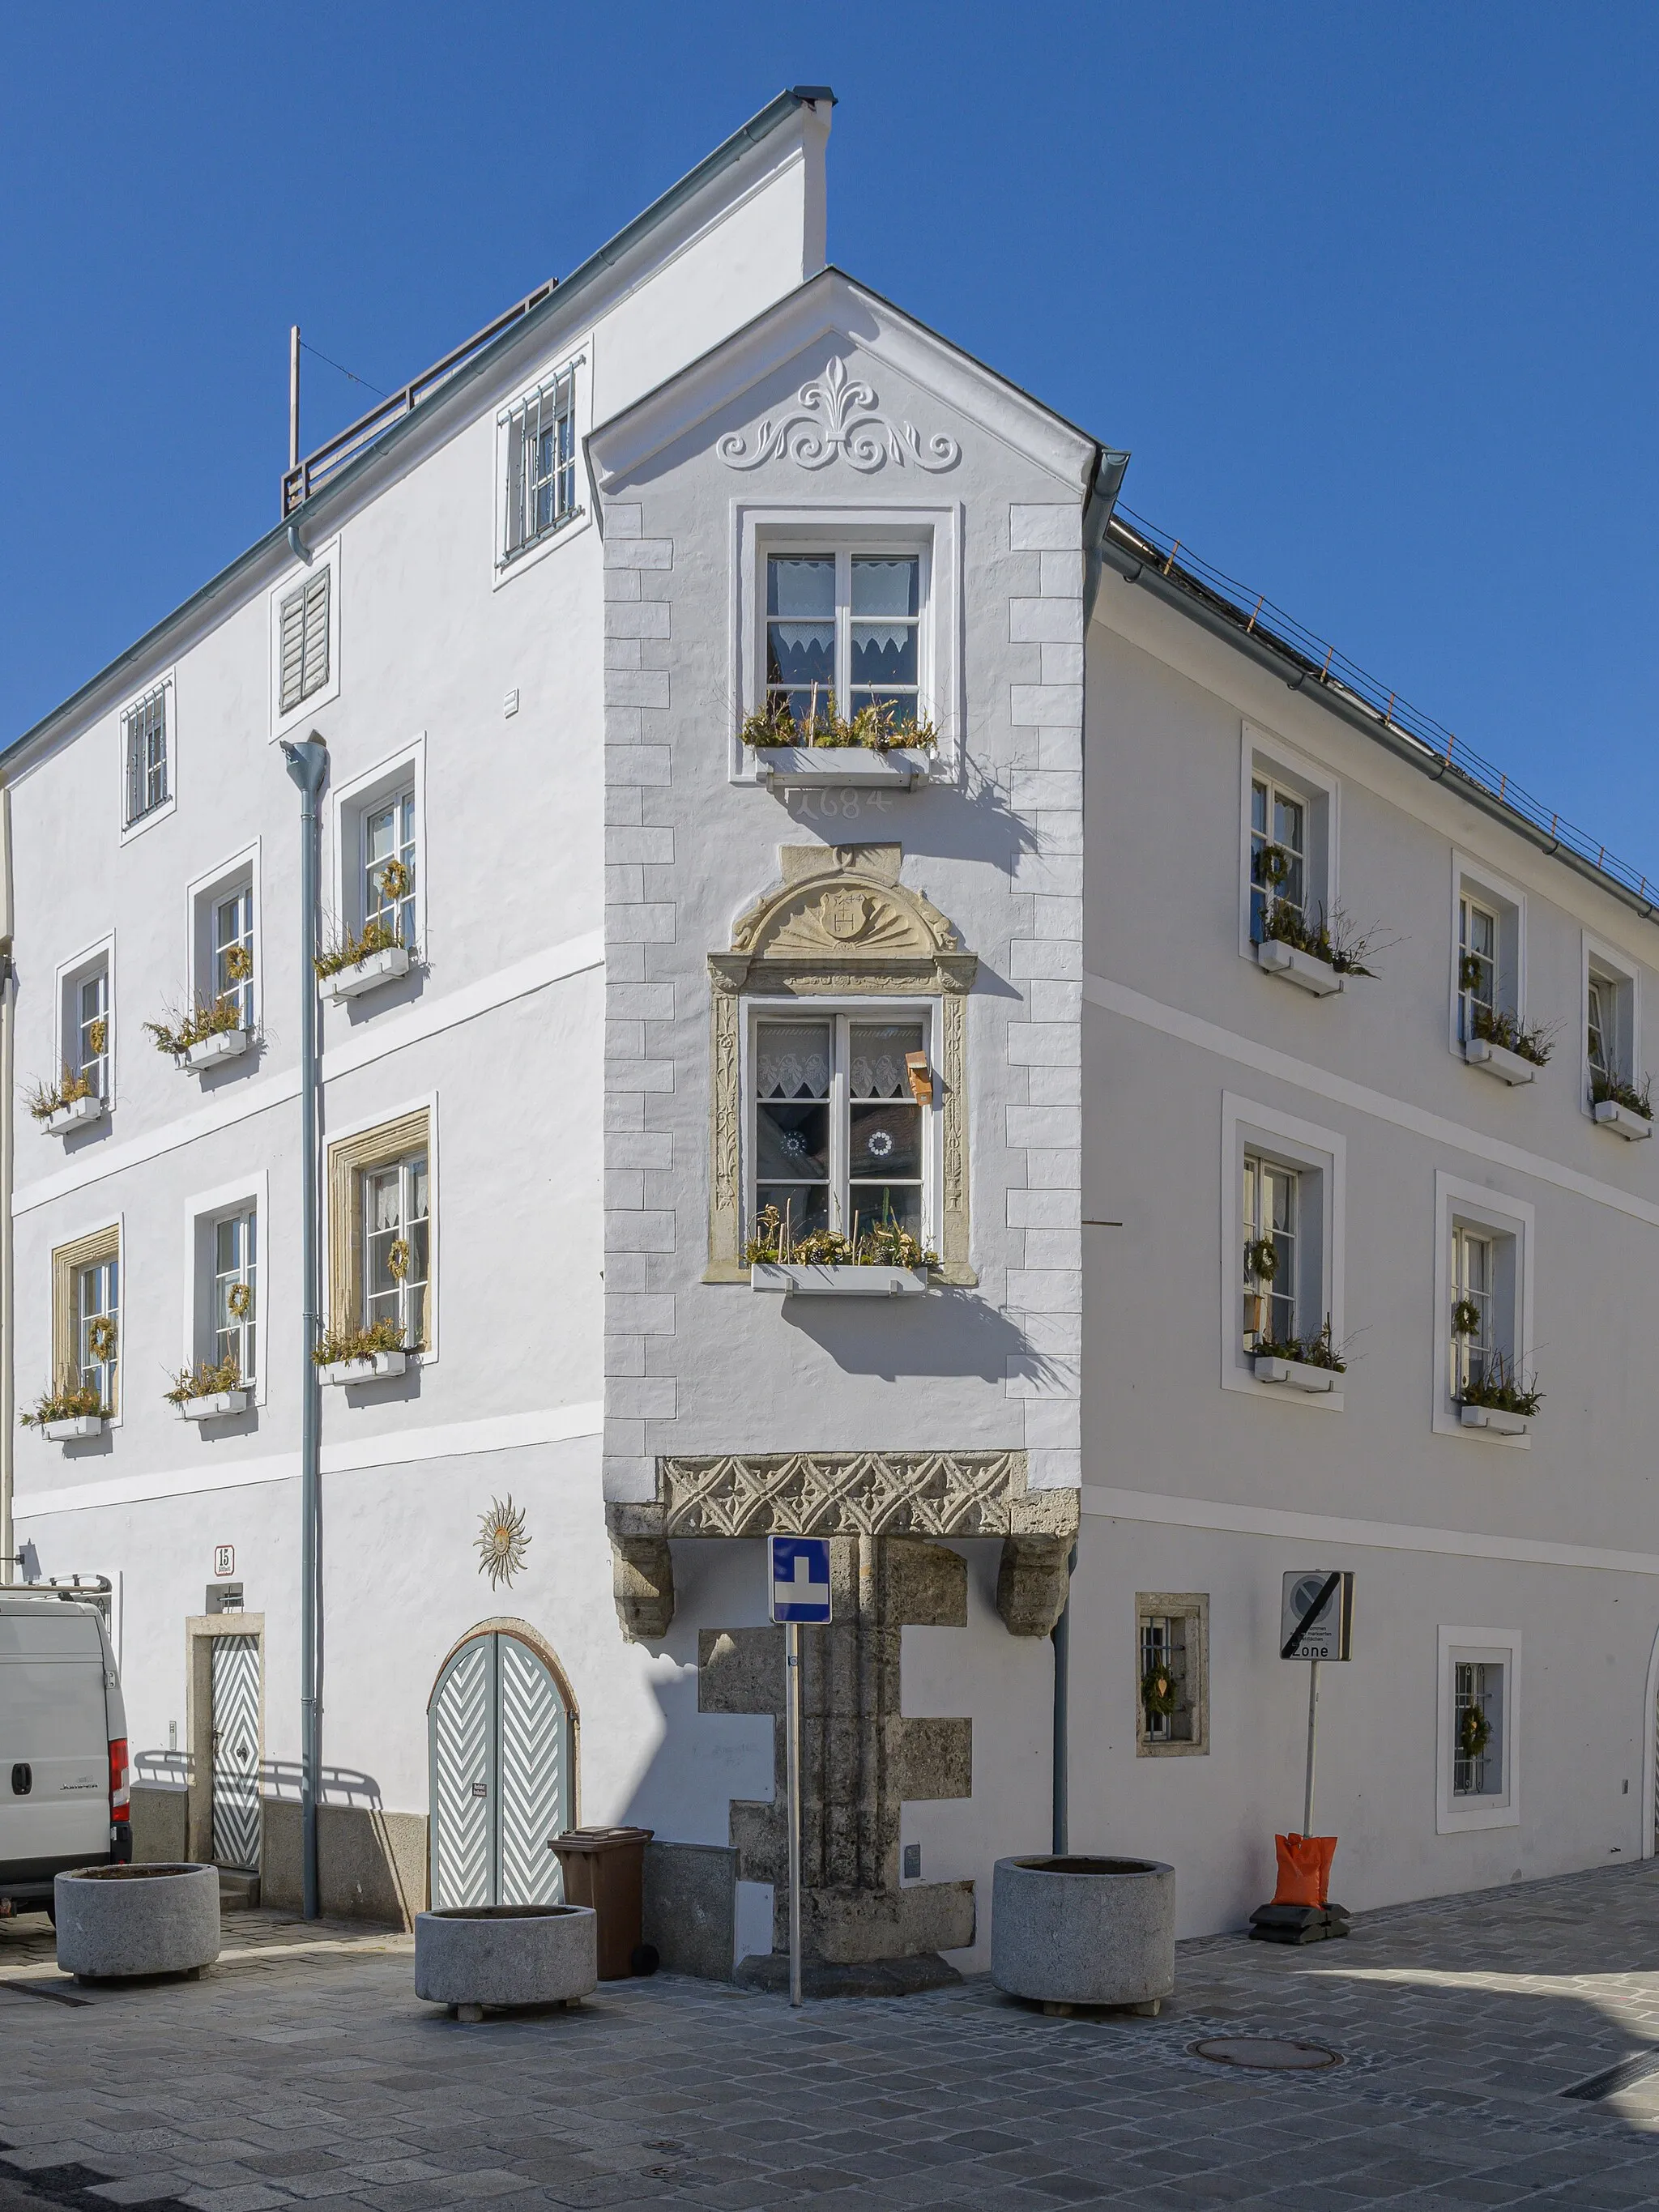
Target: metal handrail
[316,468]
[1334,671]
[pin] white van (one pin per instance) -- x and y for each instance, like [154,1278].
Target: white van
[64,1788]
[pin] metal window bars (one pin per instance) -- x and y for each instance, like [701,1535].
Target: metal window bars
[540,489]
[145,725]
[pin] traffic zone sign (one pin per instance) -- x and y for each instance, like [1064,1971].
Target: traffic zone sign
[799,1578]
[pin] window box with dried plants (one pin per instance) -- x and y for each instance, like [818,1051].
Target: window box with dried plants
[212,1390]
[69,1414]
[212,1031]
[356,961]
[1318,953]
[1624,1107]
[70,1103]
[1502,1046]
[373,1354]
[1495,1398]
[876,747]
[881,1261]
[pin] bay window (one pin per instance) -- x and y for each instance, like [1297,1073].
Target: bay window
[839,1127]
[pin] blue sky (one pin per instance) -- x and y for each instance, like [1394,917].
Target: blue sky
[1367,291]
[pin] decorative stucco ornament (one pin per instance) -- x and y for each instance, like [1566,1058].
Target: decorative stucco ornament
[501,1541]
[838,415]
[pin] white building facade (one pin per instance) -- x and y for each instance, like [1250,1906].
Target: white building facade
[1189,1266]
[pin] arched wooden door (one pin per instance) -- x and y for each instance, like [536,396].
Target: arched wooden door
[498,1734]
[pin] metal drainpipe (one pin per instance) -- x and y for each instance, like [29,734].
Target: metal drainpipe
[1061,1635]
[308,764]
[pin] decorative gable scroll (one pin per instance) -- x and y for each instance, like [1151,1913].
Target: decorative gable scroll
[841,923]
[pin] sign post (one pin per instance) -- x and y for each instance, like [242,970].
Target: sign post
[1315,1622]
[798,1573]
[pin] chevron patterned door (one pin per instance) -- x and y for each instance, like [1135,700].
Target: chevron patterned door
[236,1751]
[498,1738]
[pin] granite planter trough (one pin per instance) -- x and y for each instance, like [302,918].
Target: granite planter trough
[115,1922]
[470,1957]
[1083,1931]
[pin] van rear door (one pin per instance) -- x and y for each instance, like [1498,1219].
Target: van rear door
[54,1748]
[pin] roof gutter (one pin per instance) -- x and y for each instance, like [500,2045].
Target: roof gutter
[1298,675]
[728,152]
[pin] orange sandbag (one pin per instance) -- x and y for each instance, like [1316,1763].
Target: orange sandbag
[1304,1869]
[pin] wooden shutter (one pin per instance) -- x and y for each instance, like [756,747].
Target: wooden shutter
[305,640]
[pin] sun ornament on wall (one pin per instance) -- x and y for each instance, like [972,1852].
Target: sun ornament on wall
[501,1541]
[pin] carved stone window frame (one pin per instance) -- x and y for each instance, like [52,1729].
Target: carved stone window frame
[839,925]
[349,1156]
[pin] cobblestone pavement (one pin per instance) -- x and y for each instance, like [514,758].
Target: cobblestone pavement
[302,2070]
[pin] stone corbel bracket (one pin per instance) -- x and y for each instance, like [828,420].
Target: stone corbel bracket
[845,1494]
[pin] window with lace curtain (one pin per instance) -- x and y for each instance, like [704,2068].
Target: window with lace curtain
[838,1123]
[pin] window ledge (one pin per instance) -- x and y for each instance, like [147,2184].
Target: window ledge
[73,1430]
[1622,1121]
[1495,1420]
[793,1280]
[1497,1060]
[215,1407]
[378,1369]
[1295,1374]
[367,974]
[79,1114]
[223,1044]
[815,767]
[1302,968]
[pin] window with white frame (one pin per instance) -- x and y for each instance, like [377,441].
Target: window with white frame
[387,863]
[1272,1227]
[1476,1350]
[144,749]
[1610,1038]
[1173,1684]
[1477,964]
[1479,1729]
[87,1029]
[235,1292]
[230,982]
[839,1129]
[538,434]
[1279,849]
[97,1322]
[1484,1269]
[843,635]
[304,643]
[396,1219]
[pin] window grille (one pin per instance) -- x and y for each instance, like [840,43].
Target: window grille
[145,728]
[1477,1688]
[1278,820]
[305,640]
[541,464]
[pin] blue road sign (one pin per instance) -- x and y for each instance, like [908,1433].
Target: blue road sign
[800,1578]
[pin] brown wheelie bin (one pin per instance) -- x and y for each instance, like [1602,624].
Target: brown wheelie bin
[605,1868]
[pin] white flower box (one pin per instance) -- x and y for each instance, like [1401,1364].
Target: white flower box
[79,1114]
[223,1044]
[1298,967]
[1623,1120]
[1498,1059]
[375,1369]
[73,1429]
[793,1280]
[1492,1418]
[214,1406]
[818,768]
[367,974]
[1295,1374]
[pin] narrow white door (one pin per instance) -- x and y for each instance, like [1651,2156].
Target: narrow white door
[499,1745]
[236,1751]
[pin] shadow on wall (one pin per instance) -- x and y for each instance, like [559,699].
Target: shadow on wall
[946,1333]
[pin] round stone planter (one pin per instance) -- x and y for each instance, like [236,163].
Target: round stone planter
[470,1957]
[118,1920]
[1070,1932]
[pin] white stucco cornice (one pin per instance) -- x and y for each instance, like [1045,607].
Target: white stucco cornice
[832,304]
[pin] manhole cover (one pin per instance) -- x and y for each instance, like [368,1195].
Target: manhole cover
[1273,2053]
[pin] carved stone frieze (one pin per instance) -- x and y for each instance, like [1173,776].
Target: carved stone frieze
[918,1493]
